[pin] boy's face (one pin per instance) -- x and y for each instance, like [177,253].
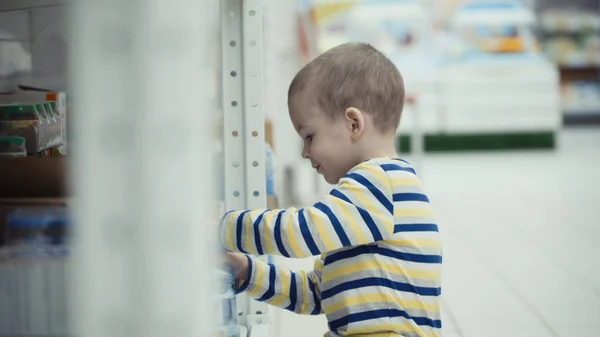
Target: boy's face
[327,143]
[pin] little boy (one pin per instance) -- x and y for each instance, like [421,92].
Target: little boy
[380,251]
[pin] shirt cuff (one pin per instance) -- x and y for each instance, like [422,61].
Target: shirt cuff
[241,285]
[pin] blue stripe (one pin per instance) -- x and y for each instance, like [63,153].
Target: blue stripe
[395,167]
[257,242]
[374,190]
[364,214]
[367,315]
[371,224]
[402,160]
[278,237]
[420,258]
[379,282]
[373,249]
[271,291]
[339,230]
[246,282]
[421,227]
[308,239]
[340,195]
[292,306]
[317,309]
[410,197]
[238,231]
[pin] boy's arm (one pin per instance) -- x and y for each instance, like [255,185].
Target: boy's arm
[298,291]
[358,211]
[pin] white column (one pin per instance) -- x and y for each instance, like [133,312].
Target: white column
[142,90]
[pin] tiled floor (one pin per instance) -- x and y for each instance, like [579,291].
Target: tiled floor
[521,237]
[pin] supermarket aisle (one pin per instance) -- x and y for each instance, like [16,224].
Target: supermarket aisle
[521,239]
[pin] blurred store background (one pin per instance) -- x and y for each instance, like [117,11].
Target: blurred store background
[502,122]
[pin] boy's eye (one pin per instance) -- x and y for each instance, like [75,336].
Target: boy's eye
[309,137]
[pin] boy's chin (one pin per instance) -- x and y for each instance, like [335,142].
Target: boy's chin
[331,180]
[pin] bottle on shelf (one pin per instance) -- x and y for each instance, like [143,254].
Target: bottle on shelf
[53,125]
[61,120]
[34,266]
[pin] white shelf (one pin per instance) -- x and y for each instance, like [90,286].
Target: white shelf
[576,60]
[13,5]
[582,110]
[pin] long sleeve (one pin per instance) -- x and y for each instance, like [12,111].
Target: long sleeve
[358,211]
[298,291]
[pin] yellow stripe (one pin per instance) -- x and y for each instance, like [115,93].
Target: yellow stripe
[289,231]
[279,300]
[268,232]
[366,201]
[380,298]
[417,243]
[413,212]
[374,331]
[250,217]
[319,263]
[230,225]
[304,307]
[344,208]
[405,181]
[324,235]
[378,174]
[375,265]
[258,280]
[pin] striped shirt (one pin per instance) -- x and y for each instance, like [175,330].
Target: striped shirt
[379,265]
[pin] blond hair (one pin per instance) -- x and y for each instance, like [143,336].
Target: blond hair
[353,75]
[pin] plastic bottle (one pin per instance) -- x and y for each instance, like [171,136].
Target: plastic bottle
[58,140]
[227,301]
[27,228]
[52,124]
[52,106]
[37,272]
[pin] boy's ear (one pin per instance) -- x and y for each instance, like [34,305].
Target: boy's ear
[356,122]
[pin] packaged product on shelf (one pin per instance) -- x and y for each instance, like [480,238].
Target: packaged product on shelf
[53,107]
[25,121]
[33,272]
[36,95]
[270,170]
[35,298]
[12,146]
[54,132]
[38,226]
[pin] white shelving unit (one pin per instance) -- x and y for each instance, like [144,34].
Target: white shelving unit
[243,120]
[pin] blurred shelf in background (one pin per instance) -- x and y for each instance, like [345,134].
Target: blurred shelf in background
[570,36]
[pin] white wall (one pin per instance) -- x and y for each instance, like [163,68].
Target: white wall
[36,40]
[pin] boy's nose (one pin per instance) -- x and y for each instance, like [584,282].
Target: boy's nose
[305,153]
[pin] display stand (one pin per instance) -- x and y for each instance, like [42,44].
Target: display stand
[243,120]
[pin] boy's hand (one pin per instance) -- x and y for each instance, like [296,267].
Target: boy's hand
[239,264]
